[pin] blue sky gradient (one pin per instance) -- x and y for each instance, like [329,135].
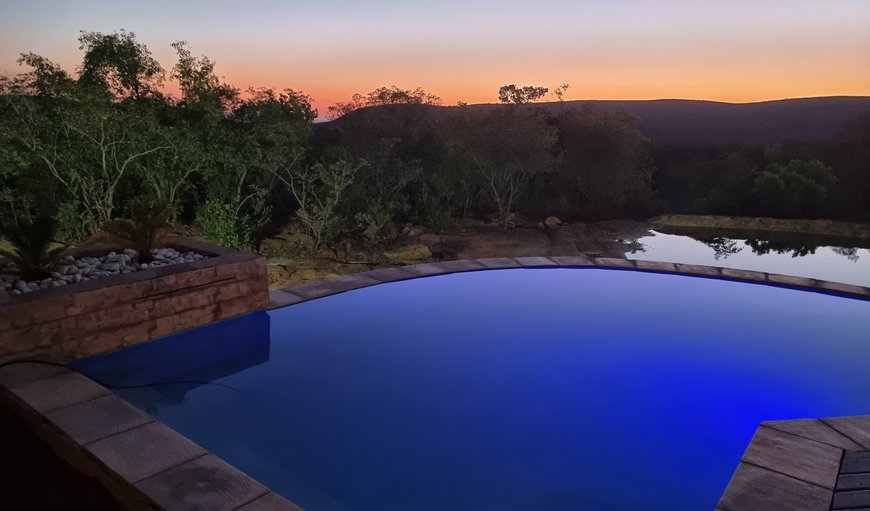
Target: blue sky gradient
[735,50]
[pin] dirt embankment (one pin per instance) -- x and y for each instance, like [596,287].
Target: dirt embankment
[468,240]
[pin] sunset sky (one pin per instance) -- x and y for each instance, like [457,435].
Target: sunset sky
[736,50]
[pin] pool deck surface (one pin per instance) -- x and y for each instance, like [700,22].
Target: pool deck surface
[808,464]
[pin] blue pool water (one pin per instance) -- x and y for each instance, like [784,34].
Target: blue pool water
[549,389]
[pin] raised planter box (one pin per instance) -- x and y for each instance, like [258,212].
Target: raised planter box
[84,319]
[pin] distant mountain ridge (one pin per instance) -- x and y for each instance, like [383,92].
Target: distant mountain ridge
[690,122]
[698,122]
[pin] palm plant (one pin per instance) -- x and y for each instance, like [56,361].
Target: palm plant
[32,254]
[146,229]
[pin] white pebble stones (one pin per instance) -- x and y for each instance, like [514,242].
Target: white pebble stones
[73,270]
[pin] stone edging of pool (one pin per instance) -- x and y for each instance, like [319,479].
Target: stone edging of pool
[148,466]
[805,464]
[789,465]
[144,464]
[320,288]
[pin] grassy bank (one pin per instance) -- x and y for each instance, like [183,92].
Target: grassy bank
[813,227]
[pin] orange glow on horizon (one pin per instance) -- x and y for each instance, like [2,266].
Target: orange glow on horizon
[739,51]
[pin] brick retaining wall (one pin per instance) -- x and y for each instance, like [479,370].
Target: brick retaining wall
[98,316]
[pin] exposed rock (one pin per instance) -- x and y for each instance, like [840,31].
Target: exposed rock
[409,254]
[412,231]
[278,276]
[552,222]
[90,268]
[291,242]
[312,274]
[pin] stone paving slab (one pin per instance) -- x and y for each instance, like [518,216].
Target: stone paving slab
[855,463]
[65,389]
[857,428]
[656,266]
[753,488]
[92,420]
[282,298]
[498,263]
[790,280]
[132,453]
[845,288]
[270,502]
[460,266]
[697,269]
[794,460]
[853,481]
[798,457]
[144,463]
[851,499]
[531,262]
[426,269]
[204,483]
[816,430]
[15,376]
[572,261]
[754,276]
[613,262]
[389,274]
[325,287]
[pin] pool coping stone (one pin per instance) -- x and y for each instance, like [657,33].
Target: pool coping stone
[143,463]
[801,464]
[788,463]
[148,465]
[204,482]
[311,290]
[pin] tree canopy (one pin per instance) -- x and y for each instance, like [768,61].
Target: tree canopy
[120,64]
[384,96]
[238,164]
[511,94]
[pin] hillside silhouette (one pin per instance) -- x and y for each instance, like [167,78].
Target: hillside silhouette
[694,122]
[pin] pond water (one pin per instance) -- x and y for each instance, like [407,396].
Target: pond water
[505,390]
[833,259]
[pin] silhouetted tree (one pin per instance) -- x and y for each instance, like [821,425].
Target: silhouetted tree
[120,64]
[511,94]
[606,163]
[507,147]
[795,190]
[384,96]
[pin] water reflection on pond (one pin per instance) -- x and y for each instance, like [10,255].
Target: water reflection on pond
[834,259]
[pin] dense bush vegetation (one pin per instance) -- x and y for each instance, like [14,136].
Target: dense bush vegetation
[239,165]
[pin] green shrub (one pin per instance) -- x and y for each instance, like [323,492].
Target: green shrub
[32,254]
[146,228]
[221,223]
[375,224]
[433,206]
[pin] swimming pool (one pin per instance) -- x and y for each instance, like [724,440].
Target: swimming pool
[503,390]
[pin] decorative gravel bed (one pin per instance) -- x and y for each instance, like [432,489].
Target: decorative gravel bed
[80,269]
